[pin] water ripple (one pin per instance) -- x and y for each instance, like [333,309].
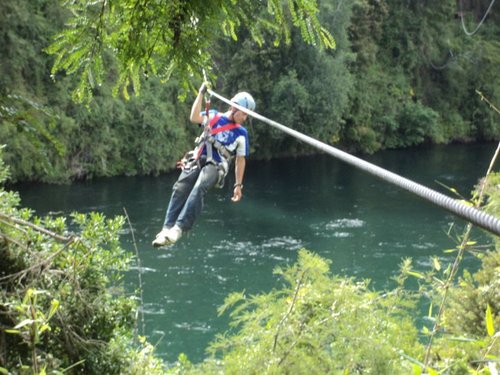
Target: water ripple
[152,309]
[142,269]
[285,242]
[194,326]
[338,228]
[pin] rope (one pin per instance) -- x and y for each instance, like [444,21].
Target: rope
[471,33]
[456,207]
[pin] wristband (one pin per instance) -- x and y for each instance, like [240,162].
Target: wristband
[240,185]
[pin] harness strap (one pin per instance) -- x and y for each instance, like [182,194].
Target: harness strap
[224,128]
[206,136]
[207,139]
[214,120]
[221,149]
[201,143]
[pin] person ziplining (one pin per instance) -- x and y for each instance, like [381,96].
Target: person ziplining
[223,139]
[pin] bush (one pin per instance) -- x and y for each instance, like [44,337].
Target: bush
[317,323]
[62,304]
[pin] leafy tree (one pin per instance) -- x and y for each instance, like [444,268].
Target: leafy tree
[416,52]
[144,135]
[401,74]
[52,139]
[158,38]
[300,86]
[30,126]
[445,66]
[32,131]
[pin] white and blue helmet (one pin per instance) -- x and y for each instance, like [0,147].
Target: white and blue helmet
[245,100]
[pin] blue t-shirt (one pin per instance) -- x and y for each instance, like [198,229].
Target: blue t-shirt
[235,140]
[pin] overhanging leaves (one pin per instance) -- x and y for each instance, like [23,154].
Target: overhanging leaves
[162,38]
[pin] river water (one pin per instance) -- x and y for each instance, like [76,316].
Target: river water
[364,225]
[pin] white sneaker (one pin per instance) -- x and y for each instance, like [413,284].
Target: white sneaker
[168,236]
[173,234]
[161,238]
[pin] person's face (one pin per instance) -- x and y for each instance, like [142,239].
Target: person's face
[239,117]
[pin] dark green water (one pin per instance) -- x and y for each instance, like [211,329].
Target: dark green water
[365,226]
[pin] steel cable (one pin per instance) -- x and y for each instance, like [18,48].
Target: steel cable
[457,207]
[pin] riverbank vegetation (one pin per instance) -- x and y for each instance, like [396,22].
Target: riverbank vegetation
[401,74]
[63,309]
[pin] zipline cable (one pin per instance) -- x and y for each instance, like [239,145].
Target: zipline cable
[469,213]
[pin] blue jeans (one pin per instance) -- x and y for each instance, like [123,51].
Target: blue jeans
[187,197]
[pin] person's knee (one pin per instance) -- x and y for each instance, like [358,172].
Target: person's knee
[210,175]
[178,186]
[182,186]
[201,188]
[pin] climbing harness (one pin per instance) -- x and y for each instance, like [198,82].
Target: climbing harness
[456,207]
[207,141]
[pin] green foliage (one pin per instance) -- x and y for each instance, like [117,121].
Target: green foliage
[62,303]
[142,136]
[62,308]
[4,170]
[401,74]
[31,133]
[492,205]
[463,338]
[302,87]
[317,322]
[468,339]
[166,39]
[470,300]
[416,51]
[51,139]
[475,293]
[416,124]
[29,125]
[462,341]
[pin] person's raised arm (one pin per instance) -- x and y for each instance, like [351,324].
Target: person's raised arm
[196,116]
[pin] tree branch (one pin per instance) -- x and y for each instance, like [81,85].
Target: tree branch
[36,227]
[280,324]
